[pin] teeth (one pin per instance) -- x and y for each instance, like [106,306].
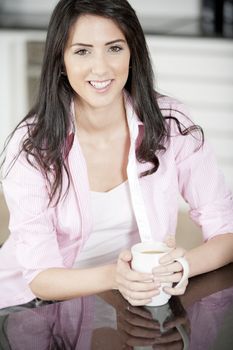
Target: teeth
[100,84]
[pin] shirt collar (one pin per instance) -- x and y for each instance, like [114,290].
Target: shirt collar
[130,112]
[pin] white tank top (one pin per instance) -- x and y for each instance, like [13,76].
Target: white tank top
[114,227]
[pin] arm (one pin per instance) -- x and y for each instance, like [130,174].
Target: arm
[31,222]
[37,250]
[203,187]
[211,255]
[62,284]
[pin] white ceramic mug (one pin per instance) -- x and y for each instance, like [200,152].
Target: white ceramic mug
[145,256]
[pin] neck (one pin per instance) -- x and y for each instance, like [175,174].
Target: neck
[105,122]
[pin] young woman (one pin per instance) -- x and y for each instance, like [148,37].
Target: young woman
[97,166]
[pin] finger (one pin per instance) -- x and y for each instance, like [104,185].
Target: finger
[170,241]
[178,321]
[169,268]
[141,322]
[124,270]
[141,312]
[176,291]
[169,337]
[138,286]
[138,302]
[174,278]
[143,333]
[173,254]
[125,256]
[140,332]
[139,342]
[178,345]
[138,295]
[133,276]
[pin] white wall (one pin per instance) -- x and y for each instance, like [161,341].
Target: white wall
[171,8]
[27,6]
[13,81]
[165,8]
[198,72]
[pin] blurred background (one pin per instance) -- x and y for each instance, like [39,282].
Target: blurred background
[191,47]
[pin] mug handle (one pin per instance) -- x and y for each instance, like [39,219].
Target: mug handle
[185,271]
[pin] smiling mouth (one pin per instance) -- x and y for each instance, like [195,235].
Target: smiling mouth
[99,85]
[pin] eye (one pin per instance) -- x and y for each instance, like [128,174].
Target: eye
[82,52]
[115,48]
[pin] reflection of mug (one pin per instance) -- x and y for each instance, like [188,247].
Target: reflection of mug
[163,314]
[145,256]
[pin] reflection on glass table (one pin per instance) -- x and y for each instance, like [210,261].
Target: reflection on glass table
[200,319]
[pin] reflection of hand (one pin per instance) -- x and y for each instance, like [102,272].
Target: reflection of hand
[136,287]
[170,270]
[171,338]
[136,326]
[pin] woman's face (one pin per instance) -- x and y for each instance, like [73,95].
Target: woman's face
[97,61]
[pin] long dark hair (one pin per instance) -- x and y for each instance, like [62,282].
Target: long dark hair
[48,121]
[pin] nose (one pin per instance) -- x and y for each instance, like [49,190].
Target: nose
[99,64]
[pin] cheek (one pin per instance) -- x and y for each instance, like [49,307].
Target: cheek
[122,67]
[73,68]
[75,75]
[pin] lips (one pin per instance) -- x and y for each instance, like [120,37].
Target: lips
[99,85]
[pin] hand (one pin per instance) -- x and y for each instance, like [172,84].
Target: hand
[170,270]
[175,336]
[137,327]
[136,287]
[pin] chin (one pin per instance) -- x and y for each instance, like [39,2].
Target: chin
[102,101]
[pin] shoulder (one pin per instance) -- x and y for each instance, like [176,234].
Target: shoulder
[20,134]
[172,108]
[178,120]
[184,136]
[14,145]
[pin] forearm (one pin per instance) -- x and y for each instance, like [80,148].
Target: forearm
[62,284]
[211,255]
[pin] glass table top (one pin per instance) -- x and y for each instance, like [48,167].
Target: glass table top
[200,319]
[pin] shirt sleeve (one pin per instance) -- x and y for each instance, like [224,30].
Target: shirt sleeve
[201,182]
[31,222]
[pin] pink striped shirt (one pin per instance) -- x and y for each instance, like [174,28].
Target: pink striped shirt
[43,237]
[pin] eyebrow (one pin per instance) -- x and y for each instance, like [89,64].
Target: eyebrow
[108,43]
